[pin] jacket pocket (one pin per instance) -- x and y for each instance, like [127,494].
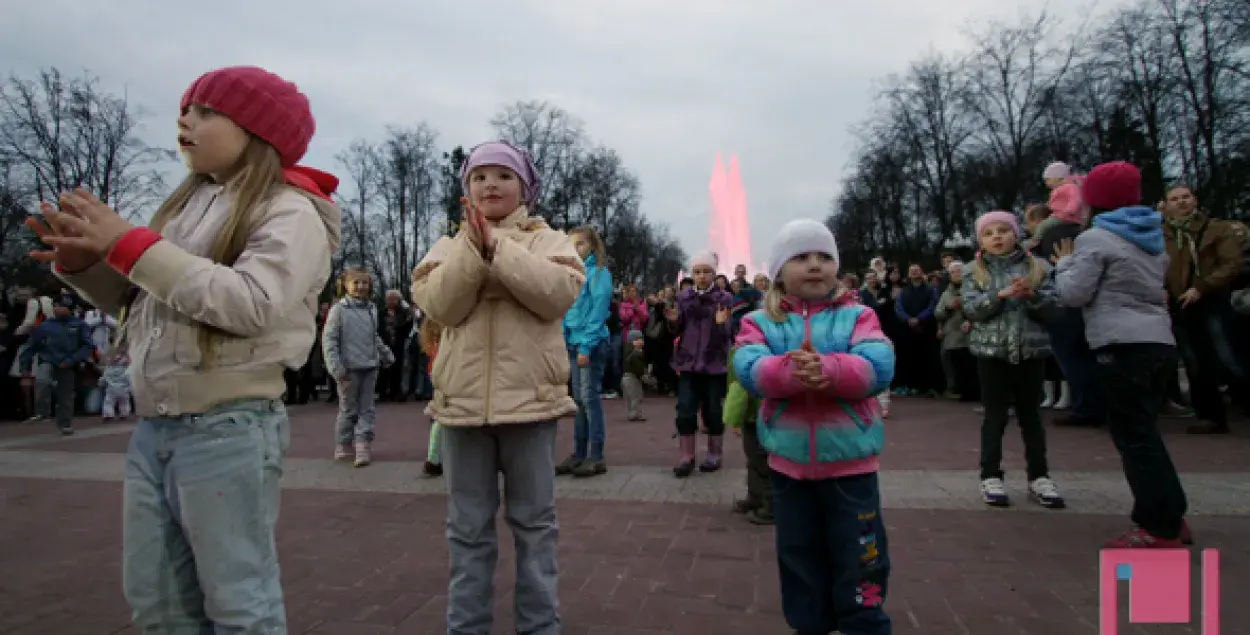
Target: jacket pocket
[227,350]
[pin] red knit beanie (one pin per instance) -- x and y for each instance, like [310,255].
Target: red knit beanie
[1112,186]
[259,102]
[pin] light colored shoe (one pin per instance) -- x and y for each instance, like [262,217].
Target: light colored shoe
[1044,493]
[363,455]
[343,452]
[994,492]
[1065,397]
[1048,389]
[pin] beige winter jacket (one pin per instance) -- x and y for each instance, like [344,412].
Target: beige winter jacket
[502,358]
[266,301]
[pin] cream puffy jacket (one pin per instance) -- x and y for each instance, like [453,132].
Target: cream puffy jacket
[502,357]
[266,302]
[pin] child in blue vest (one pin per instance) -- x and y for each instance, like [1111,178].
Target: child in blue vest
[818,357]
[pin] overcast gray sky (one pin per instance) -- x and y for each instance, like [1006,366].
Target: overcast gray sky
[667,84]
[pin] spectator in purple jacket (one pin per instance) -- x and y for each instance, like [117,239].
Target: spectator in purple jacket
[701,322]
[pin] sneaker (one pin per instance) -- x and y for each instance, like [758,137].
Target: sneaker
[684,469]
[567,466]
[1173,409]
[744,506]
[67,432]
[343,452]
[589,468]
[363,457]
[432,469]
[1137,538]
[760,516]
[1045,493]
[994,493]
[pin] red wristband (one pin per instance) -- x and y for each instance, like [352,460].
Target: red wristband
[130,247]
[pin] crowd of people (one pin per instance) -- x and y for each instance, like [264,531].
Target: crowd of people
[513,325]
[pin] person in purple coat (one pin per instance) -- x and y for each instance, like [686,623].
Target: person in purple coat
[701,322]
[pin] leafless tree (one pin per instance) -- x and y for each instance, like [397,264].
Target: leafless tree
[63,133]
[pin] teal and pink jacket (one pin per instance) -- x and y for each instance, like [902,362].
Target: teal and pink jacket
[834,432]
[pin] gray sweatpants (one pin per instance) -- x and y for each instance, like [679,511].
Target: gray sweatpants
[357,401]
[472,460]
[631,389]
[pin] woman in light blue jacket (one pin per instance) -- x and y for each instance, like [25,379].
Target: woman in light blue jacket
[586,335]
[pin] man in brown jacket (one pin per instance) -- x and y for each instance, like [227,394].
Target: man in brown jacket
[1206,257]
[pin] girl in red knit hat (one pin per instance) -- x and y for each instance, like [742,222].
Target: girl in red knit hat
[217,297]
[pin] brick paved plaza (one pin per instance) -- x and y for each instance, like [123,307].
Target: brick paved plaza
[641,553]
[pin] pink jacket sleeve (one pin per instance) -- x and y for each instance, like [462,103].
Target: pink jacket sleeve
[771,375]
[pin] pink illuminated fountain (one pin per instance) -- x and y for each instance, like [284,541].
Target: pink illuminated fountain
[729,234]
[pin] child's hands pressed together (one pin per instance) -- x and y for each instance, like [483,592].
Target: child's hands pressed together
[479,230]
[722,315]
[80,233]
[807,367]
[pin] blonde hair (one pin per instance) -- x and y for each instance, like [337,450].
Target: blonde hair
[772,301]
[430,336]
[345,278]
[981,275]
[258,180]
[596,243]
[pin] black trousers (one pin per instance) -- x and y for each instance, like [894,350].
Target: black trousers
[700,393]
[1134,380]
[1200,332]
[759,487]
[391,380]
[967,382]
[300,386]
[919,358]
[1004,384]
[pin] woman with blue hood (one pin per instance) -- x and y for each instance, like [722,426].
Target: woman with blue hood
[1115,275]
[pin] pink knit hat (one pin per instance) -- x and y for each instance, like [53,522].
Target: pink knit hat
[259,102]
[998,216]
[1066,203]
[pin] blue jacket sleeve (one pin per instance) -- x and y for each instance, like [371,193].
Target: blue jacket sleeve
[85,346]
[588,334]
[898,309]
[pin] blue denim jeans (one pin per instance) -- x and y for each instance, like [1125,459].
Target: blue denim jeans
[200,502]
[1079,365]
[612,370]
[588,427]
[833,554]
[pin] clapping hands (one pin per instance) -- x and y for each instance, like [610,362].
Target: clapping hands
[807,367]
[478,229]
[722,315]
[1020,288]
